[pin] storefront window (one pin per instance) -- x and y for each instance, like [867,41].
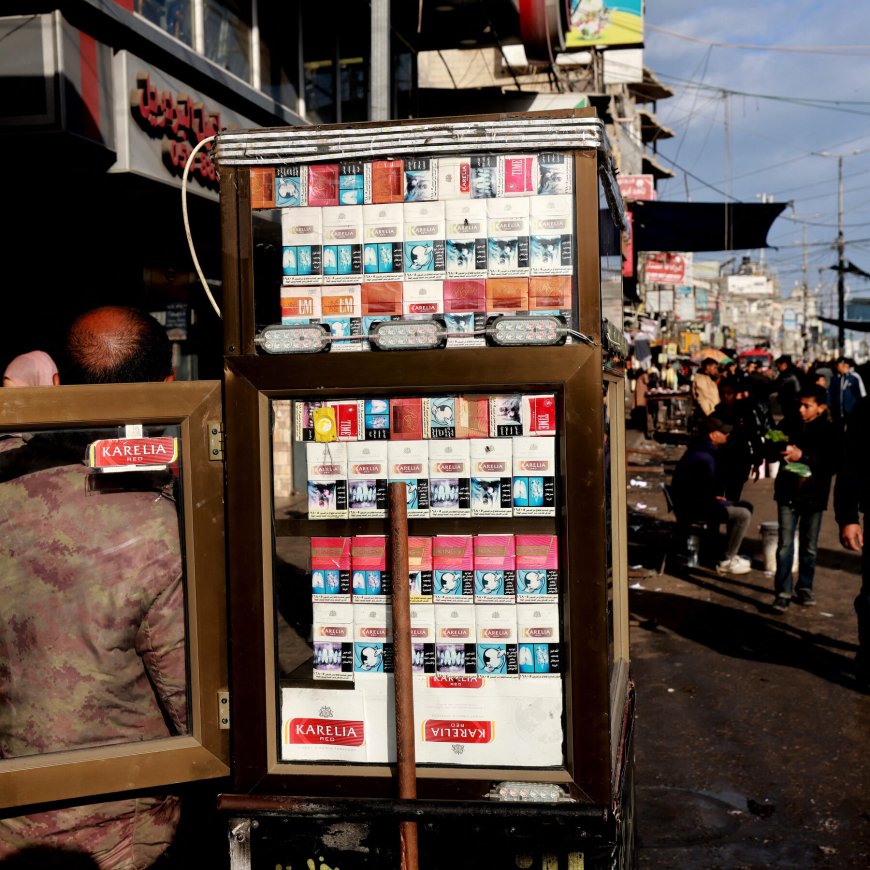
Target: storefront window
[173,16]
[228,35]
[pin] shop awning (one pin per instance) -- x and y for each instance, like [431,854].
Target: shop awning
[854,325]
[702,226]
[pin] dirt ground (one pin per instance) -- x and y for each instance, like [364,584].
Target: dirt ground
[752,742]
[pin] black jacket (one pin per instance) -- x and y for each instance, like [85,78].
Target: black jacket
[818,443]
[852,492]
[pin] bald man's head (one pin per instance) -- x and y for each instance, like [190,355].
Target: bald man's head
[115,345]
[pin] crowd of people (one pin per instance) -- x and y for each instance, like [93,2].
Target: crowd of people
[805,424]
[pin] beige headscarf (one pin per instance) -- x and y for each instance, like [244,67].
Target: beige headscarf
[34,369]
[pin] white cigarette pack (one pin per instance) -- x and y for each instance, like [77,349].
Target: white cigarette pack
[491,471]
[538,641]
[424,240]
[409,464]
[534,477]
[508,233]
[423,638]
[327,480]
[342,244]
[323,725]
[300,305]
[449,478]
[555,173]
[332,636]
[383,253]
[302,246]
[466,238]
[496,630]
[372,639]
[473,177]
[551,242]
[367,479]
[422,300]
[455,645]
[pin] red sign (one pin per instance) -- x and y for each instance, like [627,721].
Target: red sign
[663,267]
[455,682]
[628,248]
[132,452]
[326,732]
[636,186]
[457,731]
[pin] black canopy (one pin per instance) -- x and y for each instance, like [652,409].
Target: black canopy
[702,226]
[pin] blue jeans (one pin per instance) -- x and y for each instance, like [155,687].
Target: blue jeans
[808,524]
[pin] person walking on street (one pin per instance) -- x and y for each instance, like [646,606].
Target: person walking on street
[851,497]
[801,494]
[697,494]
[847,389]
[705,391]
[786,387]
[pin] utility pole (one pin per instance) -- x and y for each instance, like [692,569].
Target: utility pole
[841,262]
[805,329]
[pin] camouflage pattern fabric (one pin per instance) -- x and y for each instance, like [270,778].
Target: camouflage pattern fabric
[92,648]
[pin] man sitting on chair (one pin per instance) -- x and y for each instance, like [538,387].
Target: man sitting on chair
[697,493]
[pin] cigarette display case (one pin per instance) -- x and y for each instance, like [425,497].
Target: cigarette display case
[436,303]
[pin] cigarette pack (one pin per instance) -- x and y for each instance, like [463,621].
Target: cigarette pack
[449,479]
[383,229]
[330,569]
[539,415]
[472,417]
[372,639]
[291,186]
[494,569]
[465,312]
[551,240]
[341,308]
[517,175]
[466,238]
[370,578]
[262,187]
[423,638]
[420,569]
[300,305]
[453,569]
[534,483]
[551,294]
[381,301]
[351,184]
[323,184]
[376,419]
[468,177]
[324,725]
[302,246]
[537,568]
[439,417]
[342,244]
[332,637]
[303,425]
[424,240]
[538,640]
[409,464]
[508,232]
[327,480]
[406,419]
[346,421]
[496,631]
[421,179]
[506,295]
[422,300]
[506,416]
[491,477]
[384,181]
[367,479]
[555,174]
[455,647]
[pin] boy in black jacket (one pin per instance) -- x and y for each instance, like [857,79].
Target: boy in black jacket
[801,492]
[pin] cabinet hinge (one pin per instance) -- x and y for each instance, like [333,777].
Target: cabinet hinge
[224,711]
[216,441]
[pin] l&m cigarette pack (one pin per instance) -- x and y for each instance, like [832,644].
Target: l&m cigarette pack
[330,569]
[300,305]
[381,301]
[302,246]
[537,569]
[341,307]
[449,478]
[327,480]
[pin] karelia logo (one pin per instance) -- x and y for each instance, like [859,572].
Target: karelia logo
[333,631]
[492,466]
[496,632]
[337,732]
[419,632]
[533,465]
[456,632]
[465,228]
[508,226]
[341,234]
[539,632]
[422,308]
[448,467]
[302,230]
[383,232]
[456,682]
[457,731]
[552,223]
[327,469]
[424,230]
[366,469]
[409,468]
[373,632]
[464,177]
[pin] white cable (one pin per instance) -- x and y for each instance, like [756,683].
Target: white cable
[187,223]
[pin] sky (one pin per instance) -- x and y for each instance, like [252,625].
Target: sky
[767,96]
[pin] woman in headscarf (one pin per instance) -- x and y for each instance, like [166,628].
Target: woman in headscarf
[34,369]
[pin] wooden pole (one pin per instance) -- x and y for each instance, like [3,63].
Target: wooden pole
[403,670]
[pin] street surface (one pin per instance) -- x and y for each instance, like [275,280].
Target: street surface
[752,746]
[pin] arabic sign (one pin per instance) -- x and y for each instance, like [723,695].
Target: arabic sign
[636,186]
[665,267]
